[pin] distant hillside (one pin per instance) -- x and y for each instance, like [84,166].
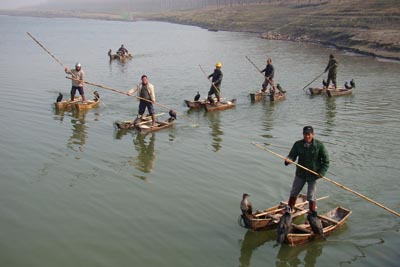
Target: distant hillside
[365,26]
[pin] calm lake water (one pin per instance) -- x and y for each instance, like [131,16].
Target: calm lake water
[74,192]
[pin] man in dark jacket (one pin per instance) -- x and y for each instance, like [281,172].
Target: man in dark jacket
[332,71]
[313,155]
[216,81]
[269,72]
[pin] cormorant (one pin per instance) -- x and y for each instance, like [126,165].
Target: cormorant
[245,205]
[197,97]
[172,114]
[316,224]
[347,86]
[60,97]
[324,83]
[353,85]
[96,95]
[284,225]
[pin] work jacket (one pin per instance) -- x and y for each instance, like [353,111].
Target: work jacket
[315,157]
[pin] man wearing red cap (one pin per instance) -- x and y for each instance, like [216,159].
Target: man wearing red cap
[313,155]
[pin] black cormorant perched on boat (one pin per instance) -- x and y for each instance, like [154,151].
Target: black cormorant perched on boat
[316,224]
[245,205]
[324,83]
[197,97]
[59,97]
[347,86]
[172,114]
[284,225]
[353,85]
[96,95]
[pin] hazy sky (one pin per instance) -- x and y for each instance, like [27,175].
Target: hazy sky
[9,4]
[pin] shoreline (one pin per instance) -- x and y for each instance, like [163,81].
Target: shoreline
[303,37]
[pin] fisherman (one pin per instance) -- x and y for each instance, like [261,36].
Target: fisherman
[122,51]
[332,70]
[216,82]
[313,155]
[146,96]
[269,72]
[77,81]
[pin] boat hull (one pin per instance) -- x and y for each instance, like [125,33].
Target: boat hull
[332,220]
[220,106]
[269,218]
[87,105]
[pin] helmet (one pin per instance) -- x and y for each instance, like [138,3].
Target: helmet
[218,65]
[78,65]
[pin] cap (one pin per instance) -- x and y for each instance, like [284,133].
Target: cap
[218,65]
[78,65]
[246,195]
[308,129]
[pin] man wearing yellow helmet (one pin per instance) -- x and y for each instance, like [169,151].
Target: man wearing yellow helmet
[216,81]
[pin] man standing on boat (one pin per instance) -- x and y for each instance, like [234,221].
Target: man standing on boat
[122,51]
[146,96]
[332,70]
[77,81]
[269,72]
[216,81]
[313,155]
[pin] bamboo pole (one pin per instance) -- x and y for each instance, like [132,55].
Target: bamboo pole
[138,97]
[329,180]
[56,59]
[252,63]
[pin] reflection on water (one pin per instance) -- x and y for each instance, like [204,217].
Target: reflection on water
[145,149]
[330,113]
[216,131]
[77,140]
[291,256]
[251,241]
[267,117]
[287,256]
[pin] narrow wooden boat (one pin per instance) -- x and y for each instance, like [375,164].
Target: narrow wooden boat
[302,233]
[220,105]
[316,90]
[119,57]
[257,96]
[269,218]
[131,124]
[159,125]
[277,97]
[322,90]
[66,104]
[87,104]
[339,92]
[195,104]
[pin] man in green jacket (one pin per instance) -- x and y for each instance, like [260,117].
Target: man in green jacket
[313,155]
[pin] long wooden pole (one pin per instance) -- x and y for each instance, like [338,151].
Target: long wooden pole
[138,97]
[317,77]
[219,93]
[329,180]
[252,63]
[56,59]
